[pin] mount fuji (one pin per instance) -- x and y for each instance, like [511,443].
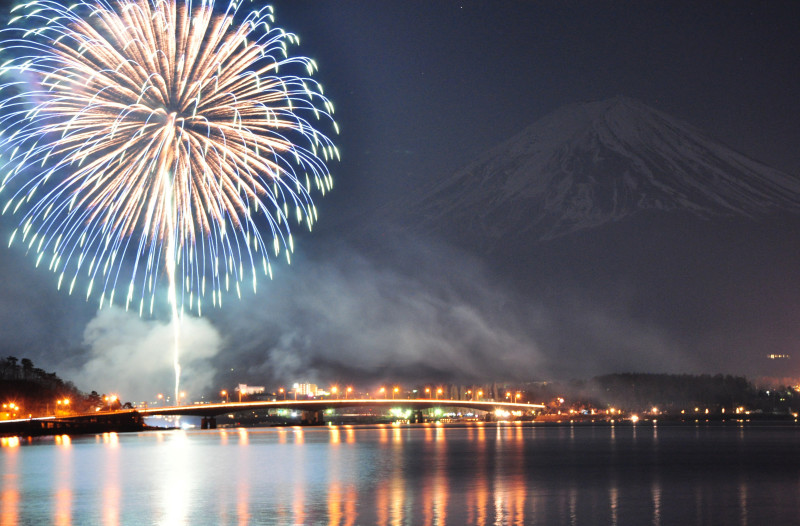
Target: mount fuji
[587,165]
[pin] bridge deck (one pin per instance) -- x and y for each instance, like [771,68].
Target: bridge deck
[321,405]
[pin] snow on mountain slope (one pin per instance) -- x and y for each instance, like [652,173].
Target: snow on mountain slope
[589,164]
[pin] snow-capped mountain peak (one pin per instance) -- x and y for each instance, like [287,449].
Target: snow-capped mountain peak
[589,164]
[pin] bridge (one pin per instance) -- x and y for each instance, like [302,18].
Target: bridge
[312,410]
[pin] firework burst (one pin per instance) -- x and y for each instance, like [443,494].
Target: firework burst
[158,139]
[159,133]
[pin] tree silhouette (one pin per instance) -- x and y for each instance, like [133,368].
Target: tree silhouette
[12,364]
[27,368]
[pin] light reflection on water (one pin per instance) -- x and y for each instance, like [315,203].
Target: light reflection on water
[419,474]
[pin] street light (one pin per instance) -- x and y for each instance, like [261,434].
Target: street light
[480,394]
[428,392]
[395,391]
[334,390]
[225,394]
[438,392]
[349,390]
[382,391]
[283,392]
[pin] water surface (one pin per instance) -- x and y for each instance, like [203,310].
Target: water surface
[414,474]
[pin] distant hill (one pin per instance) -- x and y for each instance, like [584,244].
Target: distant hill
[34,390]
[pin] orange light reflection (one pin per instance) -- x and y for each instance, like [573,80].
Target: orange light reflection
[243,503]
[382,503]
[334,503]
[62,512]
[9,511]
[299,505]
[9,498]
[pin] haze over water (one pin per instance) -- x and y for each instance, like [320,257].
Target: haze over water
[420,474]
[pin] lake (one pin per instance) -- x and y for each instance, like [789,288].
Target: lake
[498,473]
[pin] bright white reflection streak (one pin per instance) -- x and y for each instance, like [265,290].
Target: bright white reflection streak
[175,493]
[111,488]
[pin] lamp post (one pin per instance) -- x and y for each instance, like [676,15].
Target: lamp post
[480,394]
[382,391]
[225,394]
[347,392]
[395,391]
[334,390]
[438,392]
[428,392]
[283,392]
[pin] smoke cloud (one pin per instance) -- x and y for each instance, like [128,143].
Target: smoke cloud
[425,312]
[355,317]
[132,357]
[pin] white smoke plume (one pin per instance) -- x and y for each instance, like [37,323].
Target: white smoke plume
[132,357]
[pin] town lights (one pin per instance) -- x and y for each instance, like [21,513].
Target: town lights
[62,404]
[110,400]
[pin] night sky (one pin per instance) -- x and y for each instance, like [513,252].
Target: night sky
[422,88]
